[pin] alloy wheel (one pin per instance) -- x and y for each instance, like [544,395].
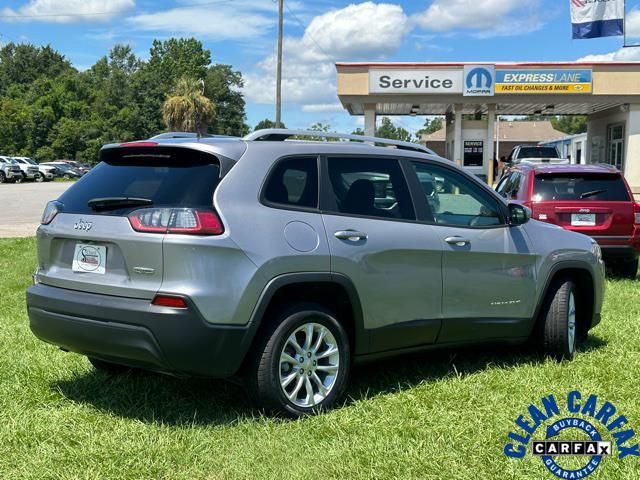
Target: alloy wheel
[309,365]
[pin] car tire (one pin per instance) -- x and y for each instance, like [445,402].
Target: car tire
[3,177]
[628,270]
[301,366]
[39,178]
[560,332]
[108,367]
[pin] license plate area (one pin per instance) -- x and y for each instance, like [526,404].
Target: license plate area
[583,219]
[90,259]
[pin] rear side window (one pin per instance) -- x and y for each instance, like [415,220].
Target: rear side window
[572,186]
[372,187]
[294,183]
[176,177]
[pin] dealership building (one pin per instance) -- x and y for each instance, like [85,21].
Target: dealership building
[472,95]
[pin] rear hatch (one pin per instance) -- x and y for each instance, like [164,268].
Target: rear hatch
[596,204]
[107,237]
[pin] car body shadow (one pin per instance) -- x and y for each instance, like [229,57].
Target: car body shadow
[407,371]
[156,398]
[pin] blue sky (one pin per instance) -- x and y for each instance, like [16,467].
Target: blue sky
[319,33]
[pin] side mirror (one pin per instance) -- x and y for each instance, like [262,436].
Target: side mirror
[518,214]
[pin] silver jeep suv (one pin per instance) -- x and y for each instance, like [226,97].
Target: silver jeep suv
[284,262]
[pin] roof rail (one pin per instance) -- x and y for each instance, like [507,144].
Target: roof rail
[282,134]
[171,135]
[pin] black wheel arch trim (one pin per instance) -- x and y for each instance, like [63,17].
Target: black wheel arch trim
[361,340]
[555,269]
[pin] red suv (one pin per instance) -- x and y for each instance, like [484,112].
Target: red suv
[591,199]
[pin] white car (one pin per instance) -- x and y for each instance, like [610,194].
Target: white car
[9,170]
[34,171]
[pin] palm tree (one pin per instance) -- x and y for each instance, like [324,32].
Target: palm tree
[188,110]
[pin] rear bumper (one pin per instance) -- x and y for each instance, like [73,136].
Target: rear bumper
[619,248]
[134,332]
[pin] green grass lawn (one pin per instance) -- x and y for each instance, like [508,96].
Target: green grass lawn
[429,416]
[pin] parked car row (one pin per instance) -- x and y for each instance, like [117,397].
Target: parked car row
[18,169]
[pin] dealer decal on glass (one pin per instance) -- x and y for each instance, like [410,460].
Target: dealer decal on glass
[572,438]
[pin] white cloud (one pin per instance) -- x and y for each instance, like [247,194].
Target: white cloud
[356,30]
[364,31]
[486,17]
[622,55]
[66,11]
[241,20]
[221,23]
[632,24]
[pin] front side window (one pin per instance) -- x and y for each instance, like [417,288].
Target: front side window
[372,187]
[505,186]
[457,200]
[294,183]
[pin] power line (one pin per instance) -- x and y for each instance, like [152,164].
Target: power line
[96,14]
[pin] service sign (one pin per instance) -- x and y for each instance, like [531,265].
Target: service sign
[543,81]
[415,81]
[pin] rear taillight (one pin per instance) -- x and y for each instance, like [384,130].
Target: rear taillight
[188,221]
[169,301]
[50,212]
[636,211]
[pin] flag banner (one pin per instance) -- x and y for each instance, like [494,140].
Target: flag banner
[597,18]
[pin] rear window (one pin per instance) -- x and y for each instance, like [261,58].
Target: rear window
[180,179]
[538,152]
[590,187]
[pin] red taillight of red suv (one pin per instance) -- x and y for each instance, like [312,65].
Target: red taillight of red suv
[636,213]
[186,221]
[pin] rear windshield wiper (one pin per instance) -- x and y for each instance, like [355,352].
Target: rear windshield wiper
[114,203]
[592,193]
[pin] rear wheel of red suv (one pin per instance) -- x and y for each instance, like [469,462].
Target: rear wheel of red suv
[626,269]
[302,365]
[559,328]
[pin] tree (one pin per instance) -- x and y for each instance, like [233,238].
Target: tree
[169,61]
[388,130]
[266,123]
[222,87]
[319,127]
[358,131]
[431,125]
[50,110]
[570,124]
[188,110]
[21,64]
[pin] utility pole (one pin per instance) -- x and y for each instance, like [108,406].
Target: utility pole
[279,67]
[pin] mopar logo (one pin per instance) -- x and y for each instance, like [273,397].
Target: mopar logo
[82,225]
[479,80]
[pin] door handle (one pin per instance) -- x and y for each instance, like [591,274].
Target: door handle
[457,241]
[350,235]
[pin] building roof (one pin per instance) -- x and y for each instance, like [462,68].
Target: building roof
[514,131]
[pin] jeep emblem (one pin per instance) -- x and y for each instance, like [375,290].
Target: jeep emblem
[82,225]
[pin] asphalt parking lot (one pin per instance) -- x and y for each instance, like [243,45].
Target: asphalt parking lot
[22,206]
